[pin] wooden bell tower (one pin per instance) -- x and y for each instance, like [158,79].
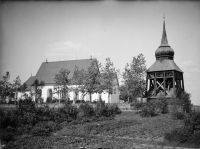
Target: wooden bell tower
[164,77]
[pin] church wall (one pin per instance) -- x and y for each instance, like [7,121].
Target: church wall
[113,99]
[44,92]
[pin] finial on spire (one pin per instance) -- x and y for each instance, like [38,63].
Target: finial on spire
[163,16]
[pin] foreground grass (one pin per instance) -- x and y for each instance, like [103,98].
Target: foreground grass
[127,130]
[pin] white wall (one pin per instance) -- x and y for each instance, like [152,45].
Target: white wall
[113,99]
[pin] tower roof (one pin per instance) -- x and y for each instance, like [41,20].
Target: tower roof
[164,50]
[164,56]
[164,65]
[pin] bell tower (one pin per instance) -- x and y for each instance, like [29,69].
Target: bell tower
[164,77]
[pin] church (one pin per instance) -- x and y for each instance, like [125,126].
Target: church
[47,72]
[164,77]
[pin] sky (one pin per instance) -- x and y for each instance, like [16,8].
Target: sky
[31,32]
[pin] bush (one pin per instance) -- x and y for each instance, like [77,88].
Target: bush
[67,112]
[148,109]
[192,121]
[178,135]
[182,101]
[8,118]
[101,109]
[86,109]
[194,138]
[55,100]
[7,134]
[44,128]
[162,105]
[190,132]
[113,110]
[137,105]
[177,115]
[26,105]
[49,99]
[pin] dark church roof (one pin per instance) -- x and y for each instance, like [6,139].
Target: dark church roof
[29,82]
[165,64]
[48,70]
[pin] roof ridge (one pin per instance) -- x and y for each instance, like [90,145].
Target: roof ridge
[68,60]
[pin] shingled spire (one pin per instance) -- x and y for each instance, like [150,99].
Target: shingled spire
[164,41]
[164,50]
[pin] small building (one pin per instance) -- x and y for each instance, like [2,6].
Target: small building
[47,72]
[164,77]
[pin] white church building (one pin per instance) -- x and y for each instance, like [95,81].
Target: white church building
[47,72]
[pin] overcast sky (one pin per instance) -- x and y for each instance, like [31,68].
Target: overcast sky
[31,32]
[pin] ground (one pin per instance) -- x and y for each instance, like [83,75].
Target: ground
[127,130]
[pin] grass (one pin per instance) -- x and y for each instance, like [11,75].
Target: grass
[127,130]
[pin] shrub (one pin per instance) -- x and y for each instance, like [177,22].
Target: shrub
[8,118]
[190,132]
[77,101]
[137,105]
[194,138]
[101,109]
[86,109]
[55,100]
[178,135]
[176,113]
[49,99]
[113,110]
[182,101]
[148,109]
[7,135]
[44,113]
[26,105]
[192,121]
[162,105]
[68,112]
[44,128]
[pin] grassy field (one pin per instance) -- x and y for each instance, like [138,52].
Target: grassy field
[127,130]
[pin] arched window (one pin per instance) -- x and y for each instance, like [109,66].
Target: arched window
[49,93]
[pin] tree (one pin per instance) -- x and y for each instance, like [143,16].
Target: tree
[38,85]
[62,81]
[77,80]
[134,77]
[182,102]
[16,86]
[23,87]
[91,82]
[108,75]
[5,86]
